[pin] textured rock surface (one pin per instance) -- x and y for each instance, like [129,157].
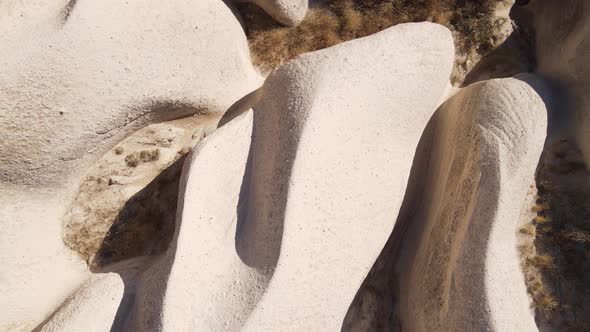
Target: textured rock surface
[309,200]
[74,85]
[75,78]
[38,272]
[284,209]
[287,12]
[93,307]
[100,303]
[459,267]
[125,206]
[563,49]
[362,120]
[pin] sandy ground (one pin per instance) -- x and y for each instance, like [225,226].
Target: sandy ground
[132,192]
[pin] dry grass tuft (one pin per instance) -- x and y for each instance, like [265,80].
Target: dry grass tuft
[541,219]
[543,262]
[539,207]
[528,229]
[472,22]
[542,298]
[526,250]
[546,302]
[558,278]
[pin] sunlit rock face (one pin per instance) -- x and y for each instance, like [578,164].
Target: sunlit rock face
[75,78]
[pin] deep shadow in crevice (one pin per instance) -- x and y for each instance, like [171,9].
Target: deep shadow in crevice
[143,229]
[381,286]
[514,56]
[562,230]
[262,204]
[145,224]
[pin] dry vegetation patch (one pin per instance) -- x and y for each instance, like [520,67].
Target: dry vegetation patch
[473,23]
[557,264]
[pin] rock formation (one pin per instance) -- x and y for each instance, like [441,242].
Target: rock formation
[74,80]
[562,49]
[287,12]
[284,209]
[281,206]
[80,82]
[459,265]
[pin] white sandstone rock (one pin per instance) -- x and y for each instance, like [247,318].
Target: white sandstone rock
[72,87]
[287,12]
[277,231]
[460,266]
[93,307]
[100,303]
[75,78]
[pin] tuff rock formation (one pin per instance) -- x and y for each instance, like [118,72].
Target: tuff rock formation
[287,206]
[75,78]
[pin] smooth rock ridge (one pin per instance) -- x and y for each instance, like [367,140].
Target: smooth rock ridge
[284,209]
[76,77]
[459,266]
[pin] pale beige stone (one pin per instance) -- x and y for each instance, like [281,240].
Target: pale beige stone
[460,268]
[285,208]
[76,77]
[287,12]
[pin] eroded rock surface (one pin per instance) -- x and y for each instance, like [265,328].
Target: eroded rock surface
[125,206]
[284,209]
[459,264]
[72,86]
[76,77]
[287,12]
[265,216]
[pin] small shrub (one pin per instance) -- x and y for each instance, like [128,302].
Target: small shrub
[149,156]
[119,150]
[132,159]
